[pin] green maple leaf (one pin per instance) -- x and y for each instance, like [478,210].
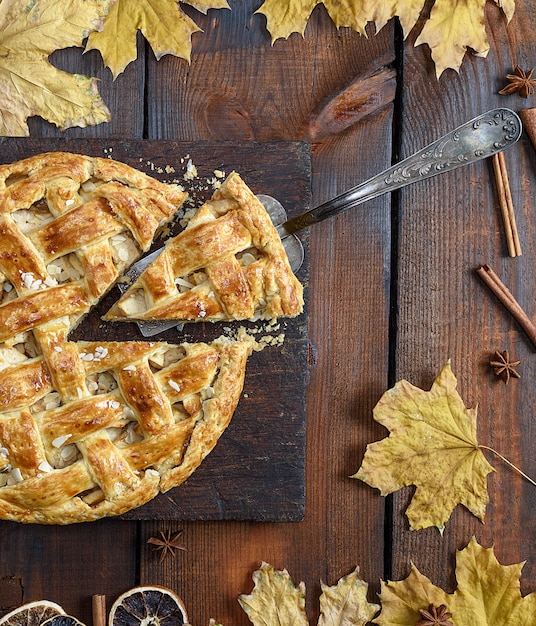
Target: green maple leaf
[30,30]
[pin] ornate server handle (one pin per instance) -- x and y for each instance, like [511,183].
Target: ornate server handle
[477,139]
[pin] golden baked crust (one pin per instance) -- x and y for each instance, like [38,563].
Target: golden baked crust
[69,227]
[228,264]
[92,429]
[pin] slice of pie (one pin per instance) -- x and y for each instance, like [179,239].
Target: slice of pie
[93,429]
[227,264]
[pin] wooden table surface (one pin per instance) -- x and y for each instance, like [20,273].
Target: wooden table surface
[392,294]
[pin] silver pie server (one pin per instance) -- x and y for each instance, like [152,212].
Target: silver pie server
[473,141]
[477,139]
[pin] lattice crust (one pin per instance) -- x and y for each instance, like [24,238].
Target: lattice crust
[92,429]
[69,226]
[85,429]
[228,263]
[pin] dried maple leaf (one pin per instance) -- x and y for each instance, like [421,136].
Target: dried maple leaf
[401,601]
[488,594]
[452,28]
[276,600]
[482,580]
[433,446]
[165,26]
[346,603]
[30,30]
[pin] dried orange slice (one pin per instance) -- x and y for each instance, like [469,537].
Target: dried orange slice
[148,606]
[32,614]
[62,620]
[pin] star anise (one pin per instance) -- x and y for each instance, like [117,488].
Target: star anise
[520,81]
[167,544]
[435,616]
[503,367]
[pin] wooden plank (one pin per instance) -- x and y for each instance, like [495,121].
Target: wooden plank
[256,472]
[343,525]
[240,86]
[68,564]
[448,227]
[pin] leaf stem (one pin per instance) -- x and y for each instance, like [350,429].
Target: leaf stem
[509,463]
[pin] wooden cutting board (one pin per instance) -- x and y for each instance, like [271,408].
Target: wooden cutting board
[256,471]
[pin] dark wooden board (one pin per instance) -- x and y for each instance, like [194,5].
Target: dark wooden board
[256,472]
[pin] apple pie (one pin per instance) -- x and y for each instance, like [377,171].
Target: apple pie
[228,264]
[91,429]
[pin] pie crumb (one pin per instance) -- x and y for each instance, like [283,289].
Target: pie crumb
[257,344]
[191,171]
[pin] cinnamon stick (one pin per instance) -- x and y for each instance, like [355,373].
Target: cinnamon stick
[506,204]
[98,605]
[499,289]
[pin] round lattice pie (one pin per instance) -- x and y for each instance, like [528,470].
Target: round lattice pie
[93,429]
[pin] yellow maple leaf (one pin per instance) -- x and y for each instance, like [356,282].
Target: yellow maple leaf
[162,22]
[30,30]
[488,594]
[401,600]
[433,446]
[452,29]
[453,26]
[276,600]
[346,602]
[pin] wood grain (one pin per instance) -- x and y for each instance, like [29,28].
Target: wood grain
[449,227]
[392,294]
[362,97]
[240,86]
[69,564]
